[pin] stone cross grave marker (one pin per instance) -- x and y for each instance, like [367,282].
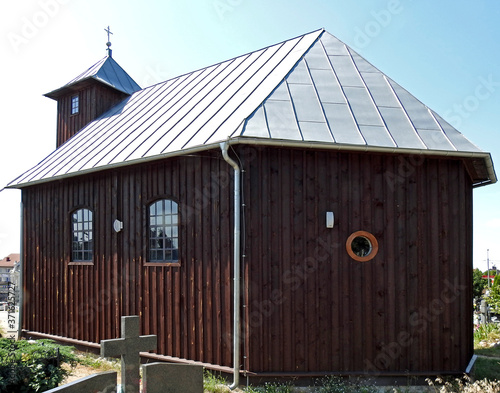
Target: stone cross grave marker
[128,347]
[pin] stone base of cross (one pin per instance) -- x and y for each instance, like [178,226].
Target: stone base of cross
[128,347]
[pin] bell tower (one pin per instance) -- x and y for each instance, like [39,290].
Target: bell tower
[91,94]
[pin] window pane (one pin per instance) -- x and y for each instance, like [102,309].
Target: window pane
[82,245]
[163,231]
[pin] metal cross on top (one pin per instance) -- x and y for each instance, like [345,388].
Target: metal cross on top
[128,347]
[108,44]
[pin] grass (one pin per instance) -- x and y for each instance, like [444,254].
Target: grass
[214,383]
[487,366]
[493,352]
[270,387]
[97,362]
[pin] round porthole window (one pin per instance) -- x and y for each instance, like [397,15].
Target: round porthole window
[362,246]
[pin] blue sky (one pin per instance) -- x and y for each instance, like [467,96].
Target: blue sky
[445,53]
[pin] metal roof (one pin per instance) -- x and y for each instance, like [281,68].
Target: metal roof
[107,71]
[310,91]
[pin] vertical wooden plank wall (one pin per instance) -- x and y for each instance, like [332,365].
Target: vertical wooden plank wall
[311,308]
[85,302]
[94,100]
[308,307]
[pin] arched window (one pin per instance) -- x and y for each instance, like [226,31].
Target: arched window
[163,231]
[82,248]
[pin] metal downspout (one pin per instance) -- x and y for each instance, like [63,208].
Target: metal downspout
[236,261]
[21,278]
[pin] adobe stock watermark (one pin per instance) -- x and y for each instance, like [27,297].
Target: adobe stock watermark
[419,322]
[30,26]
[405,168]
[291,281]
[222,7]
[380,20]
[153,76]
[482,92]
[215,184]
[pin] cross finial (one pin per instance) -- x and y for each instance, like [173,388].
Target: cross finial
[108,44]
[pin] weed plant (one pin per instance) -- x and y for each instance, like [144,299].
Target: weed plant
[488,332]
[464,385]
[97,362]
[213,383]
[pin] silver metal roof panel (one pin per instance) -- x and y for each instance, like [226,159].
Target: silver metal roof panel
[333,46]
[256,125]
[459,141]
[347,73]
[342,124]
[327,86]
[281,120]
[314,131]
[377,136]
[401,129]
[300,74]
[362,106]
[380,90]
[306,103]
[316,59]
[361,64]
[311,90]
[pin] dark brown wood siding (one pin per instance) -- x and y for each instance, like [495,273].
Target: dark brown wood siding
[94,100]
[309,307]
[188,306]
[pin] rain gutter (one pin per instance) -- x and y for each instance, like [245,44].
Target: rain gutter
[374,149]
[236,262]
[270,142]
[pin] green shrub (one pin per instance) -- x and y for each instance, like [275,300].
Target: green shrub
[32,366]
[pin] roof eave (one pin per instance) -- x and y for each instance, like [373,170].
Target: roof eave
[376,149]
[176,153]
[284,143]
[55,94]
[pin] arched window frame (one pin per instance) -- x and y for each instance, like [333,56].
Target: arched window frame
[163,224]
[82,236]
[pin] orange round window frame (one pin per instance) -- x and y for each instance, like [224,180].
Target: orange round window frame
[357,244]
